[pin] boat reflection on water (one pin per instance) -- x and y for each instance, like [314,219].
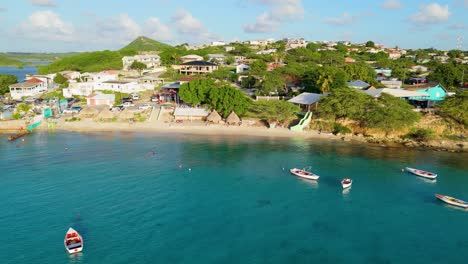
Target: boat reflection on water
[432,181]
[311,183]
[75,258]
[345,192]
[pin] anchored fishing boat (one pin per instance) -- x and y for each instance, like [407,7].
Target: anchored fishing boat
[421,173]
[346,183]
[73,241]
[452,201]
[304,174]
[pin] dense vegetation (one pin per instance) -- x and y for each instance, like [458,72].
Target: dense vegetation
[219,96]
[386,113]
[5,81]
[456,108]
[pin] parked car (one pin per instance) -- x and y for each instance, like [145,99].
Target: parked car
[30,100]
[135,97]
[145,107]
[128,104]
[154,99]
[117,108]
[71,111]
[127,99]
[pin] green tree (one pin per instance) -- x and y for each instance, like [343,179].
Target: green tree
[258,67]
[272,83]
[230,60]
[456,108]
[343,103]
[360,71]
[277,111]
[5,81]
[195,92]
[226,99]
[138,66]
[389,113]
[223,74]
[313,46]
[60,79]
[324,79]
[448,74]
[370,44]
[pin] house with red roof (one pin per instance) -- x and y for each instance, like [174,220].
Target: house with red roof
[31,87]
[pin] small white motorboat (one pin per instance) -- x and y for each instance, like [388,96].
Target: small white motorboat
[421,173]
[452,201]
[304,174]
[73,241]
[346,183]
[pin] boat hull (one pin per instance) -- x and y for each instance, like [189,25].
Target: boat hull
[420,173]
[346,183]
[452,201]
[70,237]
[304,174]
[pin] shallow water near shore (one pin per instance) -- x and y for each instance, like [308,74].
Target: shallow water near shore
[134,200]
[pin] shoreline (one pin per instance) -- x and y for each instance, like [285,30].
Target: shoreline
[201,129]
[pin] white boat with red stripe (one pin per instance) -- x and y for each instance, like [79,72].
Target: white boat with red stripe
[421,173]
[73,241]
[304,174]
[346,183]
[452,201]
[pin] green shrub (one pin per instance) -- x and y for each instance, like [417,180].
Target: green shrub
[340,129]
[73,119]
[421,134]
[16,115]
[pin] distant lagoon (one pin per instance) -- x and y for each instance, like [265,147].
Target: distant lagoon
[21,73]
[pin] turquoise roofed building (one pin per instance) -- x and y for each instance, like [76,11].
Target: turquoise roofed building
[436,91]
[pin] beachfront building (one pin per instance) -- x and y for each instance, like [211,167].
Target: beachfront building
[31,87]
[435,91]
[150,60]
[101,99]
[190,113]
[190,57]
[169,93]
[306,100]
[196,67]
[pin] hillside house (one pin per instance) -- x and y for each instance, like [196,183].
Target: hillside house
[196,67]
[150,60]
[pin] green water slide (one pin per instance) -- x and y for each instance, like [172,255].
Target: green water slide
[305,121]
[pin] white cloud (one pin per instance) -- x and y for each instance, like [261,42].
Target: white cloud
[43,2]
[281,12]
[345,19]
[392,5]
[120,29]
[189,26]
[46,25]
[431,14]
[155,29]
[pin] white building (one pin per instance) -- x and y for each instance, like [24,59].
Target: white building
[217,43]
[418,68]
[123,86]
[241,68]
[71,75]
[79,88]
[190,57]
[265,52]
[293,43]
[31,87]
[394,84]
[229,48]
[220,58]
[150,60]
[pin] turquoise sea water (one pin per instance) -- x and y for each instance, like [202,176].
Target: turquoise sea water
[236,205]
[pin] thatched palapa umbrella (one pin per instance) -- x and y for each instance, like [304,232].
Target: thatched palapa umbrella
[214,117]
[105,114]
[233,119]
[126,115]
[89,112]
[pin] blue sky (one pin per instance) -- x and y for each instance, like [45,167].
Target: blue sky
[85,25]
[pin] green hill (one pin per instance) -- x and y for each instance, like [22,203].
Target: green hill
[146,44]
[103,60]
[88,62]
[5,60]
